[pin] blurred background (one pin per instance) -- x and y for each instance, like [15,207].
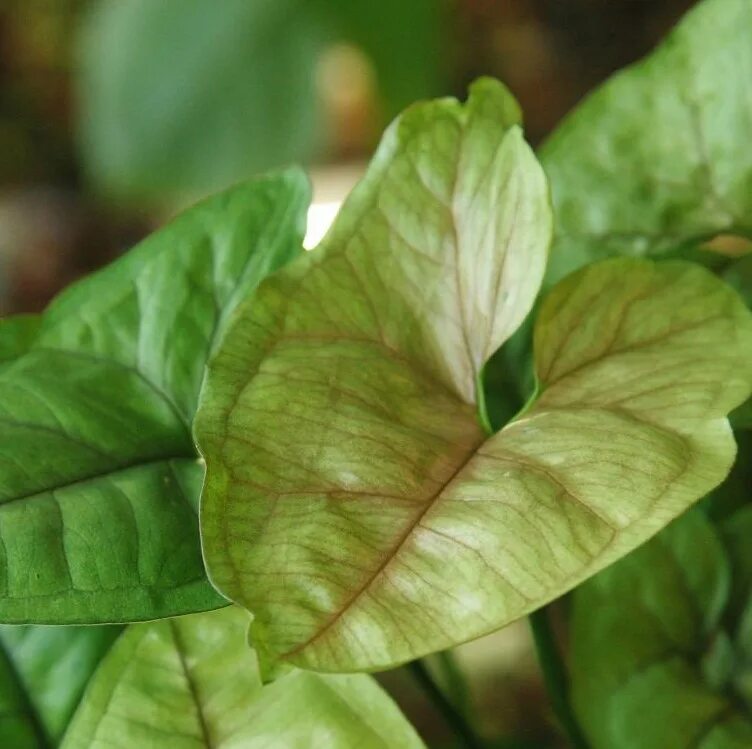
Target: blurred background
[114,114]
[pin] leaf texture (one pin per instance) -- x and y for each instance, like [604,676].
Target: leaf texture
[43,673]
[193,683]
[656,158]
[659,659]
[99,477]
[354,504]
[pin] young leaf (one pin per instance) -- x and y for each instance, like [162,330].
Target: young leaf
[657,156]
[193,683]
[46,669]
[99,478]
[354,504]
[654,664]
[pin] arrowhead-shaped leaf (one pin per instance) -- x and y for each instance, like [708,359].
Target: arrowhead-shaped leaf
[193,683]
[99,477]
[354,504]
[658,156]
[660,658]
[43,673]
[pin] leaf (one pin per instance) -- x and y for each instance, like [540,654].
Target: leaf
[16,335]
[652,663]
[739,275]
[657,156]
[177,98]
[353,502]
[46,669]
[99,475]
[193,682]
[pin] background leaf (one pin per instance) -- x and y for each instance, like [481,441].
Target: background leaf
[655,158]
[100,476]
[193,682]
[43,673]
[657,662]
[177,98]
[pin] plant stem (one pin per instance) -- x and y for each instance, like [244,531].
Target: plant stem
[455,682]
[451,715]
[555,676]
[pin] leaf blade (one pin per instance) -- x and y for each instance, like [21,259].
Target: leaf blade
[98,500]
[210,695]
[651,160]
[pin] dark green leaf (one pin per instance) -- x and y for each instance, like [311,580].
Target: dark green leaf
[654,664]
[46,669]
[100,478]
[16,335]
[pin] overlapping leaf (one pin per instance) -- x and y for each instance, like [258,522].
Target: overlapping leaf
[657,158]
[43,673]
[99,479]
[193,683]
[354,504]
[662,657]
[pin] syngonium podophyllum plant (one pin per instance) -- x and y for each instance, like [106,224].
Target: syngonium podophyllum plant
[360,508]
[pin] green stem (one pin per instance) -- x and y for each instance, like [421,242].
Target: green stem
[453,717]
[555,676]
[455,682]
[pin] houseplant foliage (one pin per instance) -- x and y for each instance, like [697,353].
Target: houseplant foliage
[153,129]
[325,415]
[685,649]
[374,344]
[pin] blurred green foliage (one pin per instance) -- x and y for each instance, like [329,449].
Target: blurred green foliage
[177,98]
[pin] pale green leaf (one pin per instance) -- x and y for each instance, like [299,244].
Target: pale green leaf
[193,682]
[658,156]
[354,504]
[47,668]
[653,664]
[99,477]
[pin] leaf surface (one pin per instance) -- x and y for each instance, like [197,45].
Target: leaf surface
[657,659]
[354,504]
[656,157]
[16,335]
[99,477]
[193,682]
[177,98]
[43,673]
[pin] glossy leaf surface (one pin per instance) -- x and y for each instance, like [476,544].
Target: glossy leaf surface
[43,673]
[660,659]
[99,478]
[193,683]
[656,157]
[353,502]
